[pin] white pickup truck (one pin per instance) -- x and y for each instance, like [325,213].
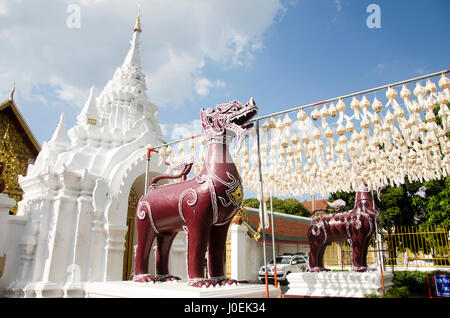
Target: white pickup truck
[286,264]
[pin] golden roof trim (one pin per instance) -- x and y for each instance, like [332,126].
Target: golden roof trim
[10,103]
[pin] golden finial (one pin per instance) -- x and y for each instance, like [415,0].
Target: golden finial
[137,27]
[12,93]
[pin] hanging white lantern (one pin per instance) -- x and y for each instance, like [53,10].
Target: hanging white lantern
[294,139]
[389,118]
[364,103]
[419,91]
[315,114]
[349,127]
[332,110]
[441,98]
[305,139]
[377,106]
[391,93]
[301,116]
[415,107]
[444,82]
[324,111]
[284,142]
[376,119]
[287,121]
[365,123]
[405,93]
[340,129]
[316,133]
[355,105]
[399,113]
[430,87]
[430,117]
[340,106]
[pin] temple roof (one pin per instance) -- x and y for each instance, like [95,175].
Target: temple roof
[11,109]
[288,228]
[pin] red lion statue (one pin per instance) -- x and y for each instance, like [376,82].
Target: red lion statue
[356,226]
[202,206]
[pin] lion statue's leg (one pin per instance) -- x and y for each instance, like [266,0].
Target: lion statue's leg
[216,252]
[358,251]
[320,257]
[197,231]
[316,245]
[146,236]
[164,242]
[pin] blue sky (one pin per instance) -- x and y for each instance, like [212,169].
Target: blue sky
[319,50]
[199,54]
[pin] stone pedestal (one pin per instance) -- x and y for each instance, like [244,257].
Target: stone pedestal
[128,289]
[337,284]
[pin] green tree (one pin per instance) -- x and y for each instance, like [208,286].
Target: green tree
[289,206]
[435,203]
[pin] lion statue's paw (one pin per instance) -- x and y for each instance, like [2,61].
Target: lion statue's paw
[144,278]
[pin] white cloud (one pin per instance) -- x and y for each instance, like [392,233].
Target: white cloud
[177,38]
[68,93]
[180,131]
[203,85]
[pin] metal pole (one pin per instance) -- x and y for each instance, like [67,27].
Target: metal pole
[263,226]
[147,168]
[273,243]
[313,202]
[378,247]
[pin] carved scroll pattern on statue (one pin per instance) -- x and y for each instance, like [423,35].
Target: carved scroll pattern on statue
[232,186]
[212,190]
[191,202]
[141,214]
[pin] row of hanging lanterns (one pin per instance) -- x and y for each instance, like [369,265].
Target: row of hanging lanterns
[338,146]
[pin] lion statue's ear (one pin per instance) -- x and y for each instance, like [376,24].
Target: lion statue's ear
[251,102]
[205,116]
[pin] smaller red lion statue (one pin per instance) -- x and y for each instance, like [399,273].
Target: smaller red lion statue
[356,226]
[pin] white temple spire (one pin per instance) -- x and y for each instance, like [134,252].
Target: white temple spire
[89,114]
[60,138]
[133,58]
